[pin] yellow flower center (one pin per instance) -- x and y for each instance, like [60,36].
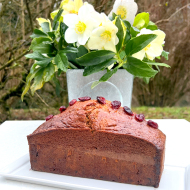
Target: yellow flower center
[73,12]
[106,35]
[147,47]
[122,11]
[80,27]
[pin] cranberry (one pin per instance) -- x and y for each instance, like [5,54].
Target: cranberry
[72,102]
[115,104]
[85,98]
[139,117]
[127,110]
[49,117]
[101,99]
[152,124]
[62,108]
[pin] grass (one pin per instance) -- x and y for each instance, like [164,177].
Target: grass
[149,112]
[165,112]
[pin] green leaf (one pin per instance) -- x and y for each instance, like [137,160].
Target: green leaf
[108,75]
[73,56]
[138,43]
[113,16]
[158,64]
[44,62]
[38,33]
[157,68]
[41,76]
[38,44]
[33,68]
[139,68]
[96,68]
[120,33]
[72,66]
[165,54]
[81,51]
[52,54]
[127,24]
[152,26]
[36,56]
[43,48]
[134,31]
[95,57]
[27,87]
[146,80]
[127,34]
[61,61]
[58,88]
[60,43]
[122,55]
[40,40]
[69,50]
[127,37]
[141,20]
[56,19]
[29,78]
[63,28]
[52,35]
[48,72]
[45,27]
[38,81]
[104,78]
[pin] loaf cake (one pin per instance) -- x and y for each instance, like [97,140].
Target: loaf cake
[98,139]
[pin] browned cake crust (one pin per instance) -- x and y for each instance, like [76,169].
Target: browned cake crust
[95,141]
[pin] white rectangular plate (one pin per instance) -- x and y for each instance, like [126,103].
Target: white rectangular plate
[173,178]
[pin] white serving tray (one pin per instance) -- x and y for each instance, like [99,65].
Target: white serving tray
[173,178]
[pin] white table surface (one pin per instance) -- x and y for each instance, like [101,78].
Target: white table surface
[13,144]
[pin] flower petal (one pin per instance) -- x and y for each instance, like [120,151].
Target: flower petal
[131,12]
[116,5]
[149,57]
[95,42]
[78,4]
[71,20]
[145,31]
[82,39]
[110,46]
[154,50]
[69,8]
[70,35]
[64,2]
[116,40]
[91,24]
[86,10]
[160,36]
[139,55]
[110,67]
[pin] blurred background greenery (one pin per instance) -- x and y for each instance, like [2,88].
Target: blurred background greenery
[166,96]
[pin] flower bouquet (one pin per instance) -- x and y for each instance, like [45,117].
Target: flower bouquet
[81,38]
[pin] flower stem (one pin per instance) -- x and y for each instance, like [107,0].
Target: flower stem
[120,61]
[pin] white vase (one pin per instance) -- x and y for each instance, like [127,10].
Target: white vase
[118,87]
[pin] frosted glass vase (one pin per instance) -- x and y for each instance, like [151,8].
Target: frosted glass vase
[118,87]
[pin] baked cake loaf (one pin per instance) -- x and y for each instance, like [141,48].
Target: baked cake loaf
[99,139]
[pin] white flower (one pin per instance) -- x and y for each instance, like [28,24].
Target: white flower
[72,7]
[69,7]
[101,18]
[104,37]
[154,48]
[127,9]
[80,26]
